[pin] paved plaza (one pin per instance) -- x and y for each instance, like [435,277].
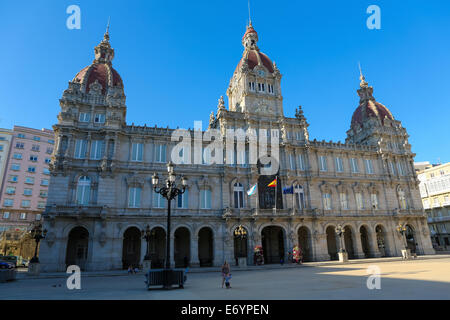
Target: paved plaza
[424,278]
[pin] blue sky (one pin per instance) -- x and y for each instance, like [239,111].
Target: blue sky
[177,57]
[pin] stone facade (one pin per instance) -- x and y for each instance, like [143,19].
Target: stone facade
[101,193]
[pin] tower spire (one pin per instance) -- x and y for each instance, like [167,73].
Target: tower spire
[106,35]
[249,15]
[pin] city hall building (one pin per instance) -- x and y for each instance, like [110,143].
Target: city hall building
[101,195]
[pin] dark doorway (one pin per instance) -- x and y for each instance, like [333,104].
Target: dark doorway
[273,244]
[131,251]
[182,247]
[348,240]
[365,241]
[381,241]
[205,247]
[410,239]
[331,243]
[158,247]
[305,243]
[77,248]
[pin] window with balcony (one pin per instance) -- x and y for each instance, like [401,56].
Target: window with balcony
[326,201]
[80,148]
[96,149]
[182,200]
[344,200]
[301,162]
[299,197]
[238,192]
[158,200]
[374,201]
[359,201]
[83,190]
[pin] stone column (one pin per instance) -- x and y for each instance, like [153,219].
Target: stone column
[374,251]
[195,262]
[359,253]
[319,247]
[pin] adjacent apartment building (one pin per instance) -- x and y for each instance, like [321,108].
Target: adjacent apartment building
[435,192]
[25,175]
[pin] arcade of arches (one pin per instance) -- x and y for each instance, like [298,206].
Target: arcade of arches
[200,250]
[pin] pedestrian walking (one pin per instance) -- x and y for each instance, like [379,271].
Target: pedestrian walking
[225,271]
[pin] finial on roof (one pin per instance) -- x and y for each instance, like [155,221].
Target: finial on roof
[363,83]
[106,35]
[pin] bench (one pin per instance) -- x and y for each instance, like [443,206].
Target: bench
[7,275]
[155,277]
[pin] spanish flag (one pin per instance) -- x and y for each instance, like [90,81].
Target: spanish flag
[273,183]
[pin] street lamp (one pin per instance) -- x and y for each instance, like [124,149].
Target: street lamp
[240,232]
[147,236]
[170,191]
[37,234]
[340,231]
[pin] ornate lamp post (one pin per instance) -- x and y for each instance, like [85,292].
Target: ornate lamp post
[37,234]
[169,191]
[343,256]
[240,233]
[147,236]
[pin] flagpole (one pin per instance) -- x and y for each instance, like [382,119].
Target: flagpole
[276,189]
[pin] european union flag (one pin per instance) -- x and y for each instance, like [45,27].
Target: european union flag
[288,190]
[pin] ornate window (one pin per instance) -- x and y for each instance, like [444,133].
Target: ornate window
[96,149]
[158,200]
[292,161]
[374,200]
[299,197]
[343,200]
[323,163]
[83,190]
[134,197]
[80,148]
[205,199]
[136,151]
[327,201]
[354,165]
[182,200]
[238,192]
[369,166]
[301,162]
[339,164]
[359,201]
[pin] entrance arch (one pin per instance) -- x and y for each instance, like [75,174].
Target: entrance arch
[331,243]
[182,248]
[304,241]
[205,247]
[381,241]
[365,241]
[131,249]
[410,239]
[273,244]
[77,247]
[157,247]
[348,240]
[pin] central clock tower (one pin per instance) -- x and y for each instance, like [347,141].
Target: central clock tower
[255,87]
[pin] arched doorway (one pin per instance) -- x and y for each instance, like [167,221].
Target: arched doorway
[131,250]
[305,243]
[182,248]
[273,244]
[331,243]
[381,241]
[240,245]
[77,248]
[410,239]
[205,247]
[365,241]
[158,247]
[348,240]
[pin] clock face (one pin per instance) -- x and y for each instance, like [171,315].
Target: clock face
[261,73]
